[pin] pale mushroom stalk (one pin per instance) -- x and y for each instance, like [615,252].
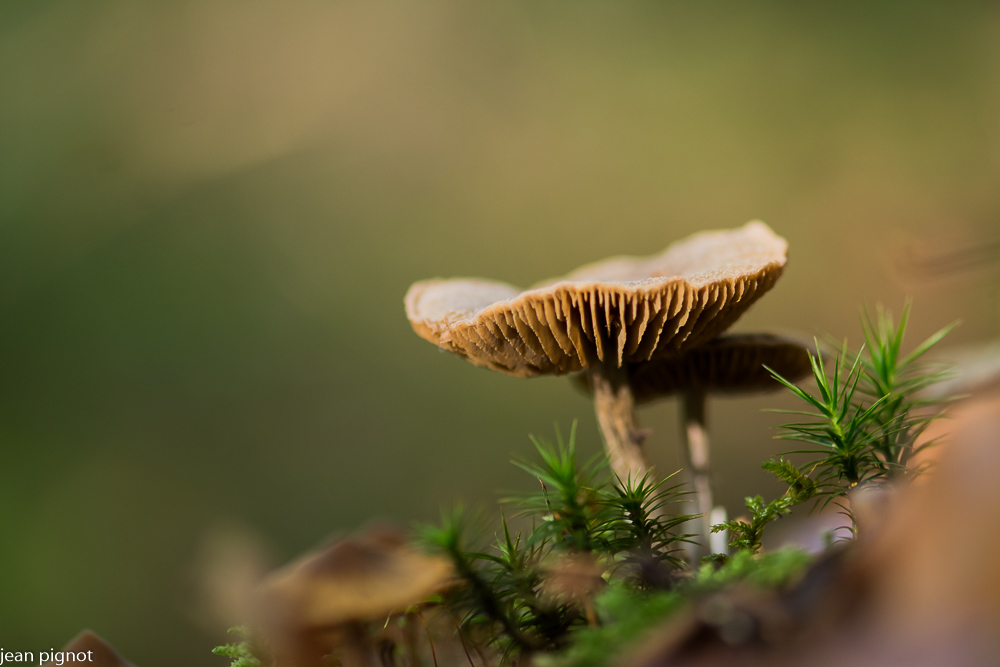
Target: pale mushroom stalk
[694,434]
[615,407]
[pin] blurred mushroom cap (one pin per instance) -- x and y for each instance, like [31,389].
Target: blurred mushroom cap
[357,579]
[614,312]
[103,653]
[729,364]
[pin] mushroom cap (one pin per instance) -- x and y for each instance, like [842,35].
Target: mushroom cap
[104,655]
[731,363]
[618,311]
[358,580]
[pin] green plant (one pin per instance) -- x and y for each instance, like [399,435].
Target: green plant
[896,381]
[570,503]
[486,602]
[630,614]
[637,522]
[746,535]
[242,653]
[530,593]
[866,415]
[842,431]
[770,570]
[627,614]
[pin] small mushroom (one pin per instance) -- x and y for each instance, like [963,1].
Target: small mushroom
[98,652]
[729,364]
[336,591]
[604,318]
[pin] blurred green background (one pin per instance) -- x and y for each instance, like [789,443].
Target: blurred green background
[210,211]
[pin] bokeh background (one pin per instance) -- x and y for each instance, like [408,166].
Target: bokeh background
[210,211]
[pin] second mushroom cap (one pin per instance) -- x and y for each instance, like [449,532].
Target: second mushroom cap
[731,363]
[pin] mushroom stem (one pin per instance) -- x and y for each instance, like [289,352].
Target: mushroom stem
[695,436]
[355,649]
[410,639]
[615,407]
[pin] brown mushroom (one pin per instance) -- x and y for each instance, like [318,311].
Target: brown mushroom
[98,652]
[729,364]
[336,591]
[604,317]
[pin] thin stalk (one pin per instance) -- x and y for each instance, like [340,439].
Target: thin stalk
[356,651]
[410,638]
[615,407]
[696,458]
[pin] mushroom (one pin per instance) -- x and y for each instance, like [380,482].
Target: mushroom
[729,364]
[605,318]
[338,590]
[98,652]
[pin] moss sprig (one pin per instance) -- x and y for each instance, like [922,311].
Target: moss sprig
[609,529]
[866,416]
